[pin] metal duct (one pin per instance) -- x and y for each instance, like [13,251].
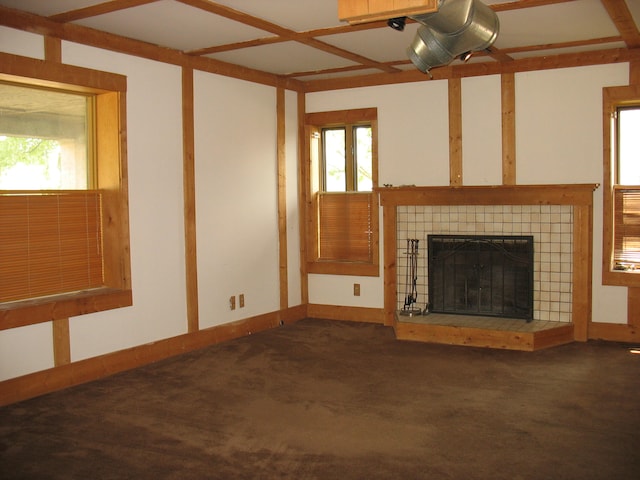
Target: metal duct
[457,28]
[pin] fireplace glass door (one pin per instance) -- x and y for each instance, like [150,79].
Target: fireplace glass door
[481,275]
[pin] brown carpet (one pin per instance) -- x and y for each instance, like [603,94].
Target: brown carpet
[336,400]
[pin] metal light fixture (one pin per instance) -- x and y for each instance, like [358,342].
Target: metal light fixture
[457,29]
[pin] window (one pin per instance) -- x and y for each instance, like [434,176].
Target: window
[64,241]
[621,242]
[45,138]
[343,234]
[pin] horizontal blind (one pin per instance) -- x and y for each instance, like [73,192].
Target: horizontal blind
[627,225]
[49,244]
[344,223]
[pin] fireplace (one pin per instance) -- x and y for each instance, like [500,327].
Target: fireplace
[488,275]
[558,217]
[551,227]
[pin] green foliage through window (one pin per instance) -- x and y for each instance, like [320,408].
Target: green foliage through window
[25,162]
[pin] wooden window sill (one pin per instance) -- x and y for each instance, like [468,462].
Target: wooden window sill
[37,310]
[622,278]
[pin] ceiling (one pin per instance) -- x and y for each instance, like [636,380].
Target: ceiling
[304,39]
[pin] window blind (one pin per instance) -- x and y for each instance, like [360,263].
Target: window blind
[49,244]
[344,221]
[626,226]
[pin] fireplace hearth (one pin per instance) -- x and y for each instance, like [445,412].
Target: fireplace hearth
[487,275]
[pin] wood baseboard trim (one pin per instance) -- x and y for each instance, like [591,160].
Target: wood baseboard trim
[351,314]
[75,373]
[614,332]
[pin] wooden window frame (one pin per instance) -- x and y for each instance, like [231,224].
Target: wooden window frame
[613,98]
[111,181]
[313,123]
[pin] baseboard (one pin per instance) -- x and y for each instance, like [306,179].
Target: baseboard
[614,332]
[353,314]
[76,373]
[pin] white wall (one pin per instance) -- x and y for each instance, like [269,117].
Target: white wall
[558,140]
[18,42]
[481,131]
[236,197]
[154,144]
[236,207]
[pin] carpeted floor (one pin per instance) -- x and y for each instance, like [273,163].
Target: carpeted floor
[337,400]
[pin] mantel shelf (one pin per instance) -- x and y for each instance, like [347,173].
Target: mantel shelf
[563,194]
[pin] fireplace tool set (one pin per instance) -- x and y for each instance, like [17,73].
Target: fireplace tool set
[411,279]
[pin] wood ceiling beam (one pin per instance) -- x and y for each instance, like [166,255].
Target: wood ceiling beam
[621,17]
[285,33]
[518,4]
[98,9]
[29,22]
[547,62]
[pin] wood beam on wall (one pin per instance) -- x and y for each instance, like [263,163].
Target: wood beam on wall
[60,327]
[508,94]
[455,132]
[634,72]
[303,193]
[61,342]
[282,197]
[189,186]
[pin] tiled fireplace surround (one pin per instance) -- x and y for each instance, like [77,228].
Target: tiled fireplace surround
[550,225]
[560,218]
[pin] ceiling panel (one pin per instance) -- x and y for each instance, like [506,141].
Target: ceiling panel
[283,58]
[381,44]
[46,8]
[561,22]
[173,24]
[298,15]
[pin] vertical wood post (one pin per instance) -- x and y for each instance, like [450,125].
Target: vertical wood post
[282,197]
[508,94]
[303,195]
[189,186]
[455,132]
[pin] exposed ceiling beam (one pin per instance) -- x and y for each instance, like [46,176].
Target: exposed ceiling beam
[98,9]
[621,17]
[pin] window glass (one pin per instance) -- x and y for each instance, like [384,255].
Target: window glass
[44,139]
[629,146]
[335,172]
[364,158]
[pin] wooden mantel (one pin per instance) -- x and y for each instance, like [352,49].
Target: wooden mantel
[580,196]
[566,194]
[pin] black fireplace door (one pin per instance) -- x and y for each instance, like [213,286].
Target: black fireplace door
[481,275]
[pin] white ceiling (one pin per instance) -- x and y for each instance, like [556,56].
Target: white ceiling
[530,28]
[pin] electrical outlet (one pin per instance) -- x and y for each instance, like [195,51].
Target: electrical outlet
[241,300]
[356,289]
[232,302]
